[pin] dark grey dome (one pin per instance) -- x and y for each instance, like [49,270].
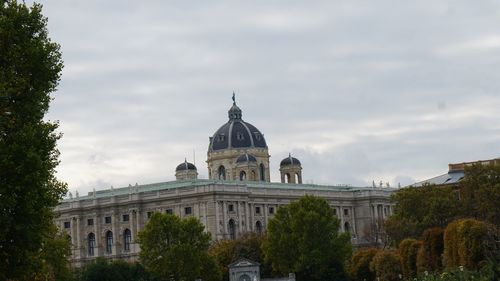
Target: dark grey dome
[185,166]
[236,133]
[290,161]
[246,158]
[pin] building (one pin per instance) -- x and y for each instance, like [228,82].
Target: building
[238,197]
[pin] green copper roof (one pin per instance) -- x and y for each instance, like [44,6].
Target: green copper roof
[201,182]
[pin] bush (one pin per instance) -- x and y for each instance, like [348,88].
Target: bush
[386,265]
[429,257]
[469,243]
[408,250]
[359,265]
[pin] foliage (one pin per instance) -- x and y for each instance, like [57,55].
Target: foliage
[489,272]
[429,257]
[176,249]
[419,208]
[359,265]
[101,269]
[303,238]
[480,193]
[387,265]
[470,243]
[30,67]
[408,250]
[247,246]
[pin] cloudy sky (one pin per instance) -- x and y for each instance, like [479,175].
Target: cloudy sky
[357,90]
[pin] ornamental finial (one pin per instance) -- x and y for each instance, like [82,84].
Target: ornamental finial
[234,98]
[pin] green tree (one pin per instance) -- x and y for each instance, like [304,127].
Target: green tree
[103,270]
[247,246]
[386,265]
[30,67]
[359,265]
[303,238]
[419,208]
[177,249]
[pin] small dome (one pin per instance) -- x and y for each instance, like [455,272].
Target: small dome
[246,158]
[185,166]
[290,161]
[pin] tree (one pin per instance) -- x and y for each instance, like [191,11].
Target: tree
[247,246]
[102,270]
[30,67]
[386,265]
[176,249]
[429,255]
[359,266]
[303,238]
[419,208]
[408,249]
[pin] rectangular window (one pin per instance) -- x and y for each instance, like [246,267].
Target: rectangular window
[334,212]
[149,214]
[67,224]
[90,221]
[271,210]
[257,210]
[126,217]
[346,212]
[188,211]
[230,208]
[107,219]
[169,211]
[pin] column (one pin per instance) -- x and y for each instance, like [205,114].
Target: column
[224,212]
[217,225]
[78,238]
[132,230]
[97,236]
[354,222]
[114,248]
[247,216]
[252,212]
[240,225]
[265,216]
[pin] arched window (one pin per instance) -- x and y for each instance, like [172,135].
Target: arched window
[258,227]
[127,238]
[262,172]
[222,173]
[347,228]
[287,178]
[91,246]
[109,242]
[243,176]
[296,178]
[232,229]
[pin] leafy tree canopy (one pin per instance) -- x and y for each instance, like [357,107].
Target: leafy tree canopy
[177,249]
[303,238]
[30,67]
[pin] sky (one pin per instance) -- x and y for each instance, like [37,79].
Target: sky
[358,91]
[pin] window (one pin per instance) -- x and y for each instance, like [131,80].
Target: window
[334,212]
[262,172]
[67,224]
[346,212]
[91,244]
[90,221]
[232,230]
[149,214]
[258,227]
[222,173]
[230,208]
[239,136]
[243,176]
[169,211]
[257,135]
[109,242]
[107,220]
[126,217]
[385,211]
[257,210]
[188,211]
[271,210]
[127,238]
[347,228]
[221,138]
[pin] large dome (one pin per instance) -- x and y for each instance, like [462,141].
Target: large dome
[236,133]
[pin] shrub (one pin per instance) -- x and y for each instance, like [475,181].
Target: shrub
[408,250]
[429,257]
[359,265]
[386,265]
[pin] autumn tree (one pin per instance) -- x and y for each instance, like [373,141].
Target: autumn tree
[408,250]
[386,265]
[177,249]
[359,265]
[429,256]
[30,67]
[303,237]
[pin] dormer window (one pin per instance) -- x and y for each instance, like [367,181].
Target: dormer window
[239,136]
[221,138]
[257,135]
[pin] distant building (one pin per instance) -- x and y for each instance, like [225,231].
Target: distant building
[237,198]
[455,174]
